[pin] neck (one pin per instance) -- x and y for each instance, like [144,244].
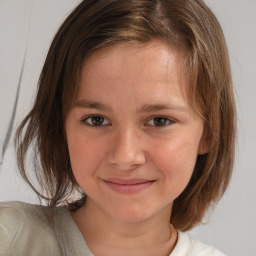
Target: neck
[105,235]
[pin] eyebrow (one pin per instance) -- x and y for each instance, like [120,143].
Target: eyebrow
[144,108]
[157,107]
[93,105]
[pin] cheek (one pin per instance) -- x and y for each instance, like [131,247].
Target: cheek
[85,156]
[175,159]
[175,152]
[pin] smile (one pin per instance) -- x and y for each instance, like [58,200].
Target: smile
[128,186]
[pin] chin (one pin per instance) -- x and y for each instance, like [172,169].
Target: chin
[131,215]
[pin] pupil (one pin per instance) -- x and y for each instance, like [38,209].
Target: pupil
[159,121]
[97,120]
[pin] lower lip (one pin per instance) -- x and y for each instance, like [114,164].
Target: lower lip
[128,188]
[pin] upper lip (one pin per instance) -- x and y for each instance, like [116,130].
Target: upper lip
[127,181]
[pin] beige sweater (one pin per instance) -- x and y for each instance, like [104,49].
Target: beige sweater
[34,230]
[27,229]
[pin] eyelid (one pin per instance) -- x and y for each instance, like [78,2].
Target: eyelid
[84,119]
[170,120]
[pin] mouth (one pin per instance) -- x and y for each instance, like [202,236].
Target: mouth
[130,186]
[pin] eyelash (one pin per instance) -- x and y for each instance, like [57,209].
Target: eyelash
[165,119]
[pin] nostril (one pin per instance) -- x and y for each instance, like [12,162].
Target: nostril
[126,152]
[125,166]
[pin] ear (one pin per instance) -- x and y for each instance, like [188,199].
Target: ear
[204,144]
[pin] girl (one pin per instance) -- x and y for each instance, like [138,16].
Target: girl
[134,113]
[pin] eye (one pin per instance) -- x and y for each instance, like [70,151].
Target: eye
[95,120]
[159,121]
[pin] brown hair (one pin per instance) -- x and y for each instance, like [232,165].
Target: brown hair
[187,24]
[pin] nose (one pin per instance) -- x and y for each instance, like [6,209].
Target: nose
[127,151]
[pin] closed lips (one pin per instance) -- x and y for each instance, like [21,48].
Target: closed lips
[128,181]
[128,186]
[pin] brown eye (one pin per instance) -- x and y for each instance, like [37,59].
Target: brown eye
[159,121]
[95,121]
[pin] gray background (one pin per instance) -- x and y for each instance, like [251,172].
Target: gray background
[26,29]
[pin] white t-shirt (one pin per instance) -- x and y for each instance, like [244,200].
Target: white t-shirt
[27,229]
[189,246]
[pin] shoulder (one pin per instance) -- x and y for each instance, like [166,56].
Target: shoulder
[189,246]
[18,214]
[22,222]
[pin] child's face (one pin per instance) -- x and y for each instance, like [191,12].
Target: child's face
[133,139]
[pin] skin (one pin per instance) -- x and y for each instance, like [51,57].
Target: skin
[145,133]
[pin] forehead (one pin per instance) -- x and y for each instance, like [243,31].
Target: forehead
[137,54]
[134,65]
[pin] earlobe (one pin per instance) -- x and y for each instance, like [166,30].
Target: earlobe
[204,145]
[203,148]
